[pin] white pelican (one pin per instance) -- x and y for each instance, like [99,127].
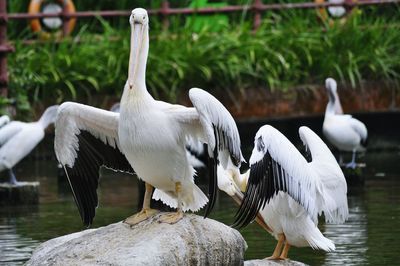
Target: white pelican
[148,136]
[343,131]
[18,139]
[285,193]
[194,147]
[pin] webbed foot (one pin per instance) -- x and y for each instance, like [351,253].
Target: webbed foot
[144,214]
[171,218]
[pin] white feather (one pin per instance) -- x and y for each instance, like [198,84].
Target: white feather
[319,184]
[73,117]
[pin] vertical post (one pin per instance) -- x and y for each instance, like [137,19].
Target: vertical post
[65,19]
[257,14]
[4,49]
[165,13]
[349,5]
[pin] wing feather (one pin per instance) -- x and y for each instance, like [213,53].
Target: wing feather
[359,127]
[332,187]
[86,138]
[210,122]
[276,165]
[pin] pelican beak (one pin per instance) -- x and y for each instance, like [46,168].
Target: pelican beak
[237,195]
[137,32]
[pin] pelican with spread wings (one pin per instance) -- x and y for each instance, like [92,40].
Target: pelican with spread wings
[148,136]
[285,193]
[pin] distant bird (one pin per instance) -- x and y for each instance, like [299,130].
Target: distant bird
[148,136]
[4,120]
[18,139]
[285,193]
[343,131]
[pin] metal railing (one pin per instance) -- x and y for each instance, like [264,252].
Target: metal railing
[257,8]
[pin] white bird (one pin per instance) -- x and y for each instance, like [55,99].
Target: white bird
[285,193]
[343,131]
[4,120]
[148,136]
[18,139]
[194,148]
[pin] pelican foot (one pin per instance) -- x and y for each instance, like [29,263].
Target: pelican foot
[171,218]
[351,165]
[140,216]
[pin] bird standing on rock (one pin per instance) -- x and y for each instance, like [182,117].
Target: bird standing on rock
[285,194]
[147,136]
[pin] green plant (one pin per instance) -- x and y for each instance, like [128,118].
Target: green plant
[289,49]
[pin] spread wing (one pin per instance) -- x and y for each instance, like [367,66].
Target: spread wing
[276,165]
[210,122]
[86,138]
[331,195]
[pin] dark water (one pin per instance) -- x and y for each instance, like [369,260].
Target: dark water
[370,236]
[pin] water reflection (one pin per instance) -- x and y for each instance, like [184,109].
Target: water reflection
[351,237]
[14,248]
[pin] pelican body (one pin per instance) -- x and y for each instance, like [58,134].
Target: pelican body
[148,137]
[343,131]
[285,193]
[18,139]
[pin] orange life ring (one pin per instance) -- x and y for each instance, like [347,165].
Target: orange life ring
[324,15]
[35,24]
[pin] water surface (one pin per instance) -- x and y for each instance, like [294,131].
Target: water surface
[370,236]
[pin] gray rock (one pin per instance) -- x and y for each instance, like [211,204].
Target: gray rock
[191,241]
[266,262]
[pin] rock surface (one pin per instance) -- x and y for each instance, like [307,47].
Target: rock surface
[191,241]
[23,193]
[266,262]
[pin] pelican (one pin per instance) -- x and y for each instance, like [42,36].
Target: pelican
[18,139]
[194,148]
[343,131]
[285,193]
[148,136]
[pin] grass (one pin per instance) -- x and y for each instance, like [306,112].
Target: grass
[291,48]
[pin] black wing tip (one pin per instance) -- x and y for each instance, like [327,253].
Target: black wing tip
[259,190]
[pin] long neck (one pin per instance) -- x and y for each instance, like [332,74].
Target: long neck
[138,58]
[330,108]
[48,117]
[338,106]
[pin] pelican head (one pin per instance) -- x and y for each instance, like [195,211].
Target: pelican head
[331,86]
[139,16]
[227,183]
[139,21]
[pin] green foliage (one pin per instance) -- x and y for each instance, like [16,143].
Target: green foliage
[290,48]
